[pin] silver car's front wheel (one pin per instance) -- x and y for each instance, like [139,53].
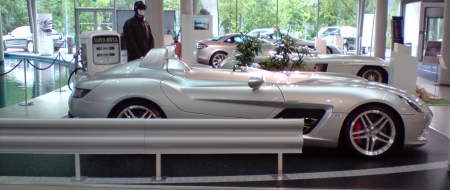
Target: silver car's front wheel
[30,47]
[135,109]
[216,59]
[371,131]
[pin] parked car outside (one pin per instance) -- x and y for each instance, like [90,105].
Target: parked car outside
[214,50]
[371,68]
[368,119]
[21,37]
[348,33]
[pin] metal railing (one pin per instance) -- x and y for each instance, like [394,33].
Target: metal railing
[26,63]
[152,136]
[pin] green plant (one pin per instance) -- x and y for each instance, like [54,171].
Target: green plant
[247,49]
[283,59]
[175,35]
[204,11]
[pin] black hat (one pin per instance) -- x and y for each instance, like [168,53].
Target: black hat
[139,5]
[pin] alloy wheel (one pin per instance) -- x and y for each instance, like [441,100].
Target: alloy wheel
[372,132]
[373,75]
[217,58]
[136,111]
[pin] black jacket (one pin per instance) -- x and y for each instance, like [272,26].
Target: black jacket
[136,39]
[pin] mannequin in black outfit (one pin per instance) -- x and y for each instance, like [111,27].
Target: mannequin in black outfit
[138,34]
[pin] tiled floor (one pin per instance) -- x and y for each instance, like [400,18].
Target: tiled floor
[422,168]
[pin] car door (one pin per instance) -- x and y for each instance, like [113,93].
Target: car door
[231,44]
[211,93]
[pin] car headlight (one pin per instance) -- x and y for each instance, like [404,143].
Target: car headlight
[80,93]
[416,103]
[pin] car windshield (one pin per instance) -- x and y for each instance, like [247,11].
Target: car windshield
[217,38]
[176,64]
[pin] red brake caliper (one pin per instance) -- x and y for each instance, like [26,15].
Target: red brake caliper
[357,127]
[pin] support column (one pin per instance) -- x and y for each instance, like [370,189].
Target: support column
[444,74]
[2,68]
[379,45]
[185,6]
[360,18]
[195,7]
[155,17]
[2,55]
[35,27]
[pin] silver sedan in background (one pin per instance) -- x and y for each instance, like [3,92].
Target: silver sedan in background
[213,51]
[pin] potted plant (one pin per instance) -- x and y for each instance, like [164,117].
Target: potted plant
[176,37]
[246,50]
[283,59]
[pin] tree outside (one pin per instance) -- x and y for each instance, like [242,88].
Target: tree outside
[299,17]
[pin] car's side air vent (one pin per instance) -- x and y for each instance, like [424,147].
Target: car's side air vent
[311,116]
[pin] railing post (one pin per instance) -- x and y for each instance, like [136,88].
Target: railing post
[158,176]
[25,84]
[77,176]
[280,175]
[60,74]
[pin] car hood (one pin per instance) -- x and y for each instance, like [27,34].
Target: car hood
[7,37]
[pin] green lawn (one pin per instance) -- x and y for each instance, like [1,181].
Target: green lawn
[441,101]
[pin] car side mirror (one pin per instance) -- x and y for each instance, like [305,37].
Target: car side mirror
[255,82]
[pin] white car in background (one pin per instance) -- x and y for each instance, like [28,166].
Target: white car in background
[21,37]
[370,68]
[331,48]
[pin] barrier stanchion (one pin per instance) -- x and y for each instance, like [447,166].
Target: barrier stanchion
[78,176]
[60,74]
[158,176]
[25,85]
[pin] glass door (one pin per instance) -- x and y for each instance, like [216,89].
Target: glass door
[90,19]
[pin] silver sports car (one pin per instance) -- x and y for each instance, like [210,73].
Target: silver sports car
[369,119]
[214,50]
[370,68]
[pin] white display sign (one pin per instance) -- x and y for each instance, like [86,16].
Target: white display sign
[105,50]
[44,27]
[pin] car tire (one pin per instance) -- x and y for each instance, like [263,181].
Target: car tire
[371,131]
[4,47]
[216,58]
[329,51]
[29,47]
[376,74]
[136,109]
[56,49]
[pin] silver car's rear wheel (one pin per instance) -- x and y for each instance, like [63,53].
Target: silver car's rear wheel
[217,58]
[136,109]
[371,131]
[376,74]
